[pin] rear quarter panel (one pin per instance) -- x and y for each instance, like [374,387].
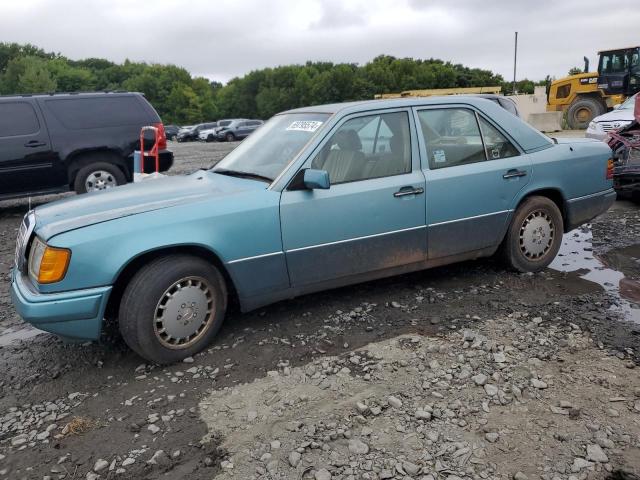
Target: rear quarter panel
[574,169]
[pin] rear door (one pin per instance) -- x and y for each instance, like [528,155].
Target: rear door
[474,173]
[27,161]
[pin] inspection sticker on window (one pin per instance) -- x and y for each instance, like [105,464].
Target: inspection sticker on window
[305,125]
[439,156]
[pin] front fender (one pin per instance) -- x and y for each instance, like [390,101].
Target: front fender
[246,227]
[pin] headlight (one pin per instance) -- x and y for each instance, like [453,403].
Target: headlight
[48,264]
[592,126]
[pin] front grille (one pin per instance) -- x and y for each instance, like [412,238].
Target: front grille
[611,126]
[22,242]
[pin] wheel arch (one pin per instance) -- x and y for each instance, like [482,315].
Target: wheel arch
[125,275]
[553,194]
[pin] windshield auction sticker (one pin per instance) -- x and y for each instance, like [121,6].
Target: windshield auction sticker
[305,125]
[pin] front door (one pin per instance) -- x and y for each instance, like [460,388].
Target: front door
[372,217]
[475,173]
[27,162]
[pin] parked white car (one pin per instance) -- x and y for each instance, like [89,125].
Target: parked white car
[613,120]
[208,135]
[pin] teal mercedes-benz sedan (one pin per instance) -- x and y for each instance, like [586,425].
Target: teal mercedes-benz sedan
[316,198]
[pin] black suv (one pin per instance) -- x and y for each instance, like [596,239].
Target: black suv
[82,142]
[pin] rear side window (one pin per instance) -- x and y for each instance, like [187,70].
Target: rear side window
[84,113]
[18,118]
[496,143]
[452,136]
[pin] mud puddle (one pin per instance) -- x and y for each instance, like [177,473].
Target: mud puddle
[616,271]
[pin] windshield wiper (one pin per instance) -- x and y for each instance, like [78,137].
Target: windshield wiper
[236,173]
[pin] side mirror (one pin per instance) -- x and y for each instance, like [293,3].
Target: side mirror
[316,179]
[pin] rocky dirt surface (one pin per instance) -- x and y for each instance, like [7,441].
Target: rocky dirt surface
[460,372]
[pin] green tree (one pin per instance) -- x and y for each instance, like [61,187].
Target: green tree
[575,71]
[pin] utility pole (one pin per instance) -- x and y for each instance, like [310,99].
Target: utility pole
[515,59]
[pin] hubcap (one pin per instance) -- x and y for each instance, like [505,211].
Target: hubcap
[536,235]
[100,180]
[184,313]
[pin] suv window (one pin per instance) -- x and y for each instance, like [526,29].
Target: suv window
[367,147]
[452,137]
[107,111]
[17,118]
[496,143]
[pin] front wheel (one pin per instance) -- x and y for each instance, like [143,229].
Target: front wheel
[534,236]
[230,137]
[172,308]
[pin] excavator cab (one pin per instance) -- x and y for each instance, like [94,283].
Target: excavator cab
[619,71]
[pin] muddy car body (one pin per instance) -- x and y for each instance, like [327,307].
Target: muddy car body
[317,198]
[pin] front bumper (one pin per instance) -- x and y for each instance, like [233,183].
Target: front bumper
[584,209]
[74,314]
[626,181]
[597,134]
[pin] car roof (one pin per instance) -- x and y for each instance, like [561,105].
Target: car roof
[526,136]
[70,94]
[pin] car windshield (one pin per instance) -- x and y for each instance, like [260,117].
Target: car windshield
[267,151]
[628,104]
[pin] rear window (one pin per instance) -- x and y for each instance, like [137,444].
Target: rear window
[83,113]
[17,118]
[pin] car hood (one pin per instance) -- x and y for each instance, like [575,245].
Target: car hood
[150,194]
[625,115]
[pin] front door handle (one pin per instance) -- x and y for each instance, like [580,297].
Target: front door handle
[404,191]
[514,173]
[34,143]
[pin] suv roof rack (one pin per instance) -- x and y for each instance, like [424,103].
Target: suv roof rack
[53,94]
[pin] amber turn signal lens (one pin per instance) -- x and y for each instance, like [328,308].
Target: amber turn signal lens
[54,264]
[610,169]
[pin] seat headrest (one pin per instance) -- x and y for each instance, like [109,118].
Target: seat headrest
[348,140]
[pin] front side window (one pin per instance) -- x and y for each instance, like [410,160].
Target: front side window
[367,147]
[452,137]
[17,118]
[496,143]
[268,151]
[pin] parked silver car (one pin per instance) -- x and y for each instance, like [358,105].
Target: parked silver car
[617,118]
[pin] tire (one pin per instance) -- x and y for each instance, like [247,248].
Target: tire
[534,235]
[163,283]
[98,176]
[582,111]
[210,138]
[173,138]
[230,137]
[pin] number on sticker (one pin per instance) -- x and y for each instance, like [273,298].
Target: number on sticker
[305,125]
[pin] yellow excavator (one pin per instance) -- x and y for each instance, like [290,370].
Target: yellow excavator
[586,95]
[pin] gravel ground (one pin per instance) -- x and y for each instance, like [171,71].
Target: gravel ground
[458,372]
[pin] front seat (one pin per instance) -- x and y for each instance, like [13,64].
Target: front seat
[346,163]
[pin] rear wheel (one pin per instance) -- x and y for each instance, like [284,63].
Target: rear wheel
[172,308]
[98,176]
[534,236]
[210,138]
[582,111]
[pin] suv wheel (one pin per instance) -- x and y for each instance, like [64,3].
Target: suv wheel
[210,138]
[534,236]
[172,308]
[230,137]
[98,176]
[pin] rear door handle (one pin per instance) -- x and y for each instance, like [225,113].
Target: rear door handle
[404,191]
[34,143]
[513,173]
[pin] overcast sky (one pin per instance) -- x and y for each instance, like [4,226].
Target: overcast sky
[220,39]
